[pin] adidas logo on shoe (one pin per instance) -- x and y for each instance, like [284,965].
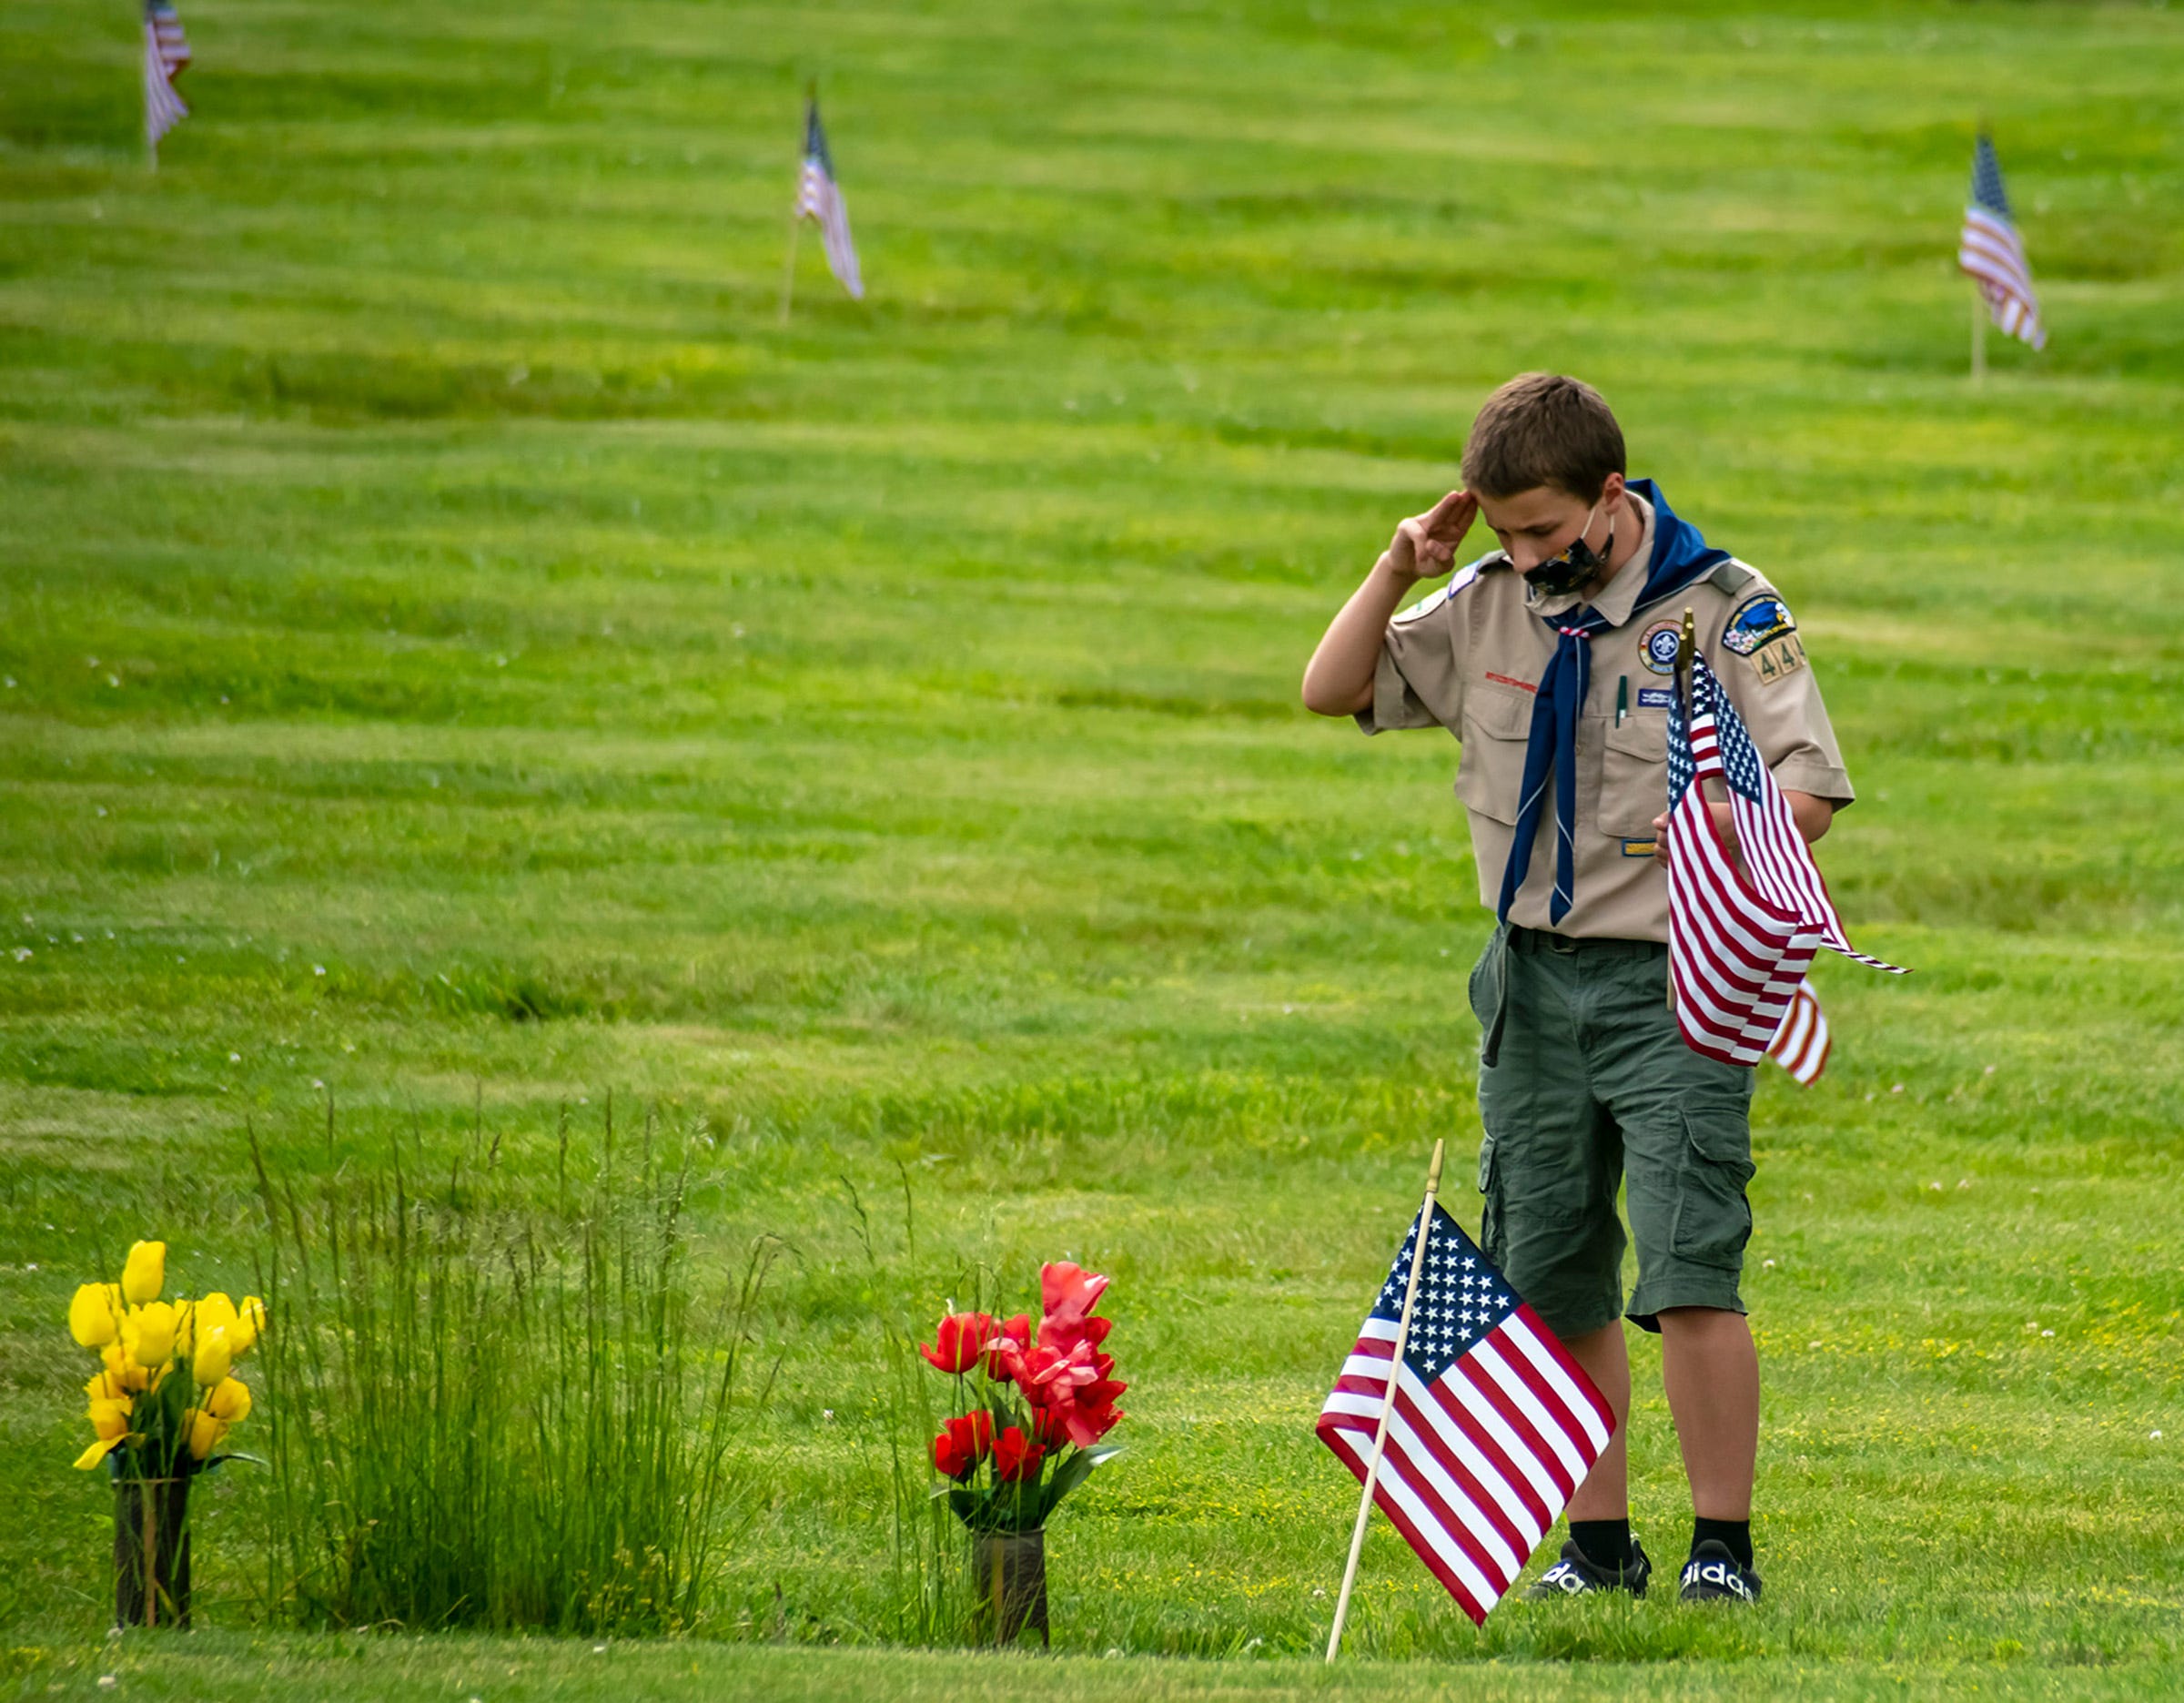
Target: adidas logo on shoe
[1713,1574]
[1573,1576]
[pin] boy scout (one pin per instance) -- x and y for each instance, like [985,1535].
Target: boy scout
[1552,661]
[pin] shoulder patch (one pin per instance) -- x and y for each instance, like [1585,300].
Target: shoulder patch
[1731,577]
[1426,605]
[1423,607]
[1762,631]
[1759,620]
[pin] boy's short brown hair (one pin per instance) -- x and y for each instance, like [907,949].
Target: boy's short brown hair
[1542,428]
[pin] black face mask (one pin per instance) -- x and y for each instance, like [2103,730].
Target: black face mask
[1577,566]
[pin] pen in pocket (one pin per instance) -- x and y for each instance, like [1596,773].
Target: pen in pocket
[1622,697]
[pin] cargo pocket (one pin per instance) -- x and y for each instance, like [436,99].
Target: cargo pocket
[1714,1214]
[1489,991]
[1634,777]
[1489,1209]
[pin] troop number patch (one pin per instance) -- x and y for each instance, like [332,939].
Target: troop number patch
[1775,661]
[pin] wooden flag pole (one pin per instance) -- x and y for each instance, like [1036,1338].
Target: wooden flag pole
[1395,1373]
[788,276]
[1978,340]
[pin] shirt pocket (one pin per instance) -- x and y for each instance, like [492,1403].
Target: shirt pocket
[1634,777]
[1497,727]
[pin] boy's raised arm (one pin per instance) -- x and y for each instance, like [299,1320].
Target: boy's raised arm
[1338,681]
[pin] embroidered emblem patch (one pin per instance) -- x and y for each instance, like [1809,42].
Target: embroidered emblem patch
[1638,848]
[1655,698]
[1657,647]
[1758,620]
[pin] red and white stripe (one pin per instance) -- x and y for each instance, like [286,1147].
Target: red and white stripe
[1735,956]
[819,197]
[166,56]
[1993,255]
[1481,1462]
[1801,1045]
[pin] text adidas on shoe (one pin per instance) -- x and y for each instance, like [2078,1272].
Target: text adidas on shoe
[1574,1575]
[1713,1574]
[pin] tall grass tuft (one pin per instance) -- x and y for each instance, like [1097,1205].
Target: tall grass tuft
[498,1410]
[930,1599]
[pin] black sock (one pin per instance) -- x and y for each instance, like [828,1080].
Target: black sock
[1735,1535]
[1604,1543]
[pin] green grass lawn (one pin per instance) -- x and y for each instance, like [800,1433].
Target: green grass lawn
[464,656]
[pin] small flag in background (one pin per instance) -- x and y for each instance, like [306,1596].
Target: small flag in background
[1992,253]
[1493,1428]
[1739,940]
[166,57]
[1801,1045]
[819,197]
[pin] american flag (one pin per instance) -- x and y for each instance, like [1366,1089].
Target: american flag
[1494,1425]
[1801,1045]
[819,197]
[166,56]
[1991,251]
[1739,940]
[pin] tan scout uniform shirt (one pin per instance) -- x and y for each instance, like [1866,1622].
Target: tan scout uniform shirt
[1469,656]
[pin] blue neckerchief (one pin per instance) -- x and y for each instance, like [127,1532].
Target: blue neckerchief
[1680,557]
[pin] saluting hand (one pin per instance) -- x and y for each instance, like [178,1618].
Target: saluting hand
[1424,546]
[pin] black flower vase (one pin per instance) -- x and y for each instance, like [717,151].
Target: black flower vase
[1009,1571]
[151,1551]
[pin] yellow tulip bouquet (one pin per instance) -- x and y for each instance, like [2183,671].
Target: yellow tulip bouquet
[162,1401]
[163,1398]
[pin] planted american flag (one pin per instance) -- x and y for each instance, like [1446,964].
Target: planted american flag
[1991,251]
[1494,1425]
[819,197]
[166,56]
[1740,938]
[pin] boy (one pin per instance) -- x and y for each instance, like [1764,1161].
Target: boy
[1584,1081]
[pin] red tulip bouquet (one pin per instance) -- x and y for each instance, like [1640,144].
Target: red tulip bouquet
[1048,1398]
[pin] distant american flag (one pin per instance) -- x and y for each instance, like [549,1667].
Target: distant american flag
[1739,941]
[1801,1045]
[1991,251]
[1493,1428]
[819,197]
[166,56]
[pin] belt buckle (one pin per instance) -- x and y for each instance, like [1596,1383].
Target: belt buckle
[1561,943]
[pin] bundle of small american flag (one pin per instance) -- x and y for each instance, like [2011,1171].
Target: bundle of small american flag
[1491,1426]
[1992,253]
[1740,940]
[166,57]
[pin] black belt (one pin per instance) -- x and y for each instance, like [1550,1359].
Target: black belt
[1521,939]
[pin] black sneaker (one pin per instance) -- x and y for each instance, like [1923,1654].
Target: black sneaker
[1573,1576]
[1713,1574]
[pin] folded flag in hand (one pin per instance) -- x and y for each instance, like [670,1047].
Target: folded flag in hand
[1494,1425]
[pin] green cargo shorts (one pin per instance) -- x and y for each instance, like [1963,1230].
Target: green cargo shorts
[1585,1084]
